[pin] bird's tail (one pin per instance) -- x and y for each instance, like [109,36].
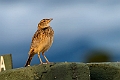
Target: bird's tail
[29,60]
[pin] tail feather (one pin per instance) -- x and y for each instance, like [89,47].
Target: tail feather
[29,60]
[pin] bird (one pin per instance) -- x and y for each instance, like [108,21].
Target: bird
[41,41]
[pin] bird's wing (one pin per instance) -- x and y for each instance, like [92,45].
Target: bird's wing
[36,39]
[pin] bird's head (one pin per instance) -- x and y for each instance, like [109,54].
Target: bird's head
[44,23]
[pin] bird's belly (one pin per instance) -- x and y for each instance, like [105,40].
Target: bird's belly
[44,45]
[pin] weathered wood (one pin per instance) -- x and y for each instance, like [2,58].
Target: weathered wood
[5,62]
[65,71]
[104,71]
[54,71]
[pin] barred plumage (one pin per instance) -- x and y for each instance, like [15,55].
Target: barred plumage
[41,41]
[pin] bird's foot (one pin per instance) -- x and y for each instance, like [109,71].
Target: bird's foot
[49,62]
[45,63]
[42,63]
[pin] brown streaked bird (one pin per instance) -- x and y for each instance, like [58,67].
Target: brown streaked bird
[41,41]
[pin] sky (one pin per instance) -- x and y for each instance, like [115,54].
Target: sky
[79,26]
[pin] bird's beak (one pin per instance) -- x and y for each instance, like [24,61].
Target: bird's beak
[51,19]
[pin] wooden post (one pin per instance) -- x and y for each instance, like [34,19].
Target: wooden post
[5,62]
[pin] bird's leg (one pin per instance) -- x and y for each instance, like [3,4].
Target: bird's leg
[40,58]
[45,58]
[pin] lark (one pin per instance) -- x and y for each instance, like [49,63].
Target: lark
[41,41]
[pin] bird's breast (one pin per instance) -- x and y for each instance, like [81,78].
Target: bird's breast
[42,40]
